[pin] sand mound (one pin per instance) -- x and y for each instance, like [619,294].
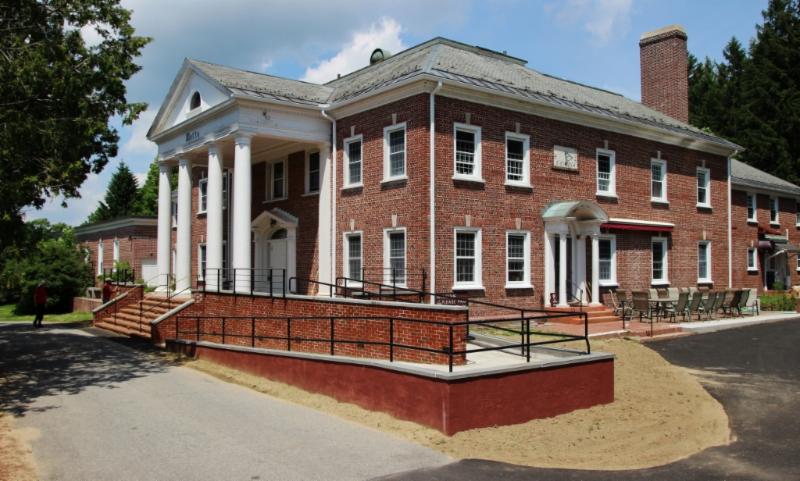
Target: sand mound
[16,460]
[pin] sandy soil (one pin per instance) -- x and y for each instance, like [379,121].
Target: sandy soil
[661,414]
[16,459]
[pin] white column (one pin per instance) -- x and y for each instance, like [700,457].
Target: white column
[213,272]
[562,270]
[581,267]
[242,198]
[548,268]
[164,246]
[595,270]
[324,245]
[183,245]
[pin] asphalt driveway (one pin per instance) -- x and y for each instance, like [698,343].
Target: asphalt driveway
[753,371]
[103,410]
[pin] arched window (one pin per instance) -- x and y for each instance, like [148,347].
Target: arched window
[195,103]
[279,234]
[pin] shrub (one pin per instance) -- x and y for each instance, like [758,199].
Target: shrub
[778,286]
[777,302]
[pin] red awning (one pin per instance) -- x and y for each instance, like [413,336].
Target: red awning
[638,227]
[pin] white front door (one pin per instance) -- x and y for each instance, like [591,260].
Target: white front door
[277,260]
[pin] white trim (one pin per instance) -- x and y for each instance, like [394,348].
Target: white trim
[307,173]
[612,282]
[115,253]
[707,172]
[622,220]
[346,155]
[476,175]
[477,282]
[707,279]
[526,159]
[754,196]
[200,183]
[754,252]
[432,190]
[387,278]
[776,202]
[200,271]
[612,178]
[100,254]
[525,283]
[270,173]
[663,197]
[387,175]
[346,252]
[664,241]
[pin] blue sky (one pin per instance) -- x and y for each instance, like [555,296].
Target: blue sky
[590,41]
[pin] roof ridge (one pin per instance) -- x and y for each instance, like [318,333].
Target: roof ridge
[192,60]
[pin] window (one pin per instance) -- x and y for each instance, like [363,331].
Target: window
[352,161]
[174,208]
[394,256]
[658,180]
[277,182]
[658,248]
[202,191]
[99,257]
[394,152]
[467,259]
[751,207]
[797,214]
[518,171]
[703,187]
[195,102]
[798,263]
[773,210]
[607,260]
[312,173]
[352,265]
[225,179]
[752,259]
[467,150]
[704,262]
[201,262]
[518,254]
[606,173]
[115,253]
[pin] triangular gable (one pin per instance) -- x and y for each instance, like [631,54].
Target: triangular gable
[175,107]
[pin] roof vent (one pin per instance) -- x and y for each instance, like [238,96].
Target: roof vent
[379,55]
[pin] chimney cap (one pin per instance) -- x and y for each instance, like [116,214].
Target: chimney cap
[664,32]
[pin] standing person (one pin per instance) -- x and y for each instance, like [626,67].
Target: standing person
[106,291]
[39,301]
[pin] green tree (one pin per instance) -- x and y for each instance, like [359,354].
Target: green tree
[121,198]
[147,203]
[57,95]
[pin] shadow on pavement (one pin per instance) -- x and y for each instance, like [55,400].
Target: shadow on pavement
[59,359]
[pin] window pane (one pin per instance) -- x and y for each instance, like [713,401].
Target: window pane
[277,180]
[658,260]
[313,172]
[701,187]
[465,270]
[516,258]
[603,173]
[605,259]
[465,244]
[465,152]
[702,261]
[354,256]
[465,257]
[397,257]
[354,161]
[397,152]
[657,184]
[203,194]
[515,156]
[751,206]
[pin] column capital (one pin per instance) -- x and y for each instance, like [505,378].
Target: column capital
[184,161]
[213,148]
[243,138]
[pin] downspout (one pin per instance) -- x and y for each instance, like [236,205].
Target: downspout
[432,189]
[730,224]
[332,246]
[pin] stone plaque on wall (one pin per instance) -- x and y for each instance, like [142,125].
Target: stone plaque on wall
[565,158]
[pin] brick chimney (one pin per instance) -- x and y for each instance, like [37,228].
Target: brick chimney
[665,77]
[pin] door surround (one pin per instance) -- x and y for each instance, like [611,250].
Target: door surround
[264,226]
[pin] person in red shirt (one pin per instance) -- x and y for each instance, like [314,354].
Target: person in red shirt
[39,302]
[106,291]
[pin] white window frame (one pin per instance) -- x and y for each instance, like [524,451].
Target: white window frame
[612,282]
[270,180]
[173,206]
[387,164]
[476,175]
[100,254]
[346,155]
[477,282]
[526,159]
[612,177]
[201,259]
[346,254]
[307,187]
[203,182]
[752,201]
[776,203]
[525,283]
[708,278]
[798,264]
[115,253]
[664,241]
[387,277]
[663,164]
[752,254]
[797,215]
[707,172]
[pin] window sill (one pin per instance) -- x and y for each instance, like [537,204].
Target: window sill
[752,221]
[705,281]
[269,201]
[659,201]
[659,283]
[464,178]
[389,180]
[704,206]
[608,284]
[353,186]
[519,185]
[468,287]
[774,224]
[606,195]
[310,194]
[753,269]
[519,286]
[202,213]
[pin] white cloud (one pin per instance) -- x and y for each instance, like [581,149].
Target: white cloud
[603,19]
[355,53]
[137,144]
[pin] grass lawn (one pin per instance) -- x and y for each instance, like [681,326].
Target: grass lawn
[7,315]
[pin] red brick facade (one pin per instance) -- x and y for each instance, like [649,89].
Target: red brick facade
[137,243]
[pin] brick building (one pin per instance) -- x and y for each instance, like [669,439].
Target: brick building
[127,239]
[446,167]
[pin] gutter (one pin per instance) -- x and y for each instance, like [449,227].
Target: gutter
[432,189]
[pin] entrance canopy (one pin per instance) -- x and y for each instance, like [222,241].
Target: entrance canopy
[577,210]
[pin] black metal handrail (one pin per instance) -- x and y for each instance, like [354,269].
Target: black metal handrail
[356,285]
[235,277]
[119,276]
[525,333]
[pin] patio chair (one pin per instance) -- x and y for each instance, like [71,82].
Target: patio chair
[742,301]
[732,302]
[642,305]
[707,307]
[753,304]
[673,292]
[680,307]
[695,305]
[718,303]
[621,307]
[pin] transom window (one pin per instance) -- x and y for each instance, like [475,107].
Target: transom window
[312,173]
[394,148]
[517,259]
[773,210]
[467,259]
[352,150]
[703,187]
[607,260]
[751,207]
[353,260]
[467,152]
[606,172]
[659,257]
[658,180]
[517,159]
[704,262]
[752,256]
[395,255]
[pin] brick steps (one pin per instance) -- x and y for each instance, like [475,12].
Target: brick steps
[595,314]
[126,321]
